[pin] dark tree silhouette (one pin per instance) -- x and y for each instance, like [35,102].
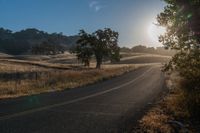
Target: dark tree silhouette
[105,44]
[102,43]
[83,49]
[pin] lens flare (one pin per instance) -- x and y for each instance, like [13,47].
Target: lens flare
[154,32]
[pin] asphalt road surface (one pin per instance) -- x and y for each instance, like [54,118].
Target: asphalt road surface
[106,107]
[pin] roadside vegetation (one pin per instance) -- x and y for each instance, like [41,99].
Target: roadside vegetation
[179,111]
[182,19]
[174,112]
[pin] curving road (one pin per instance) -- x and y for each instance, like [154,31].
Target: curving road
[109,106]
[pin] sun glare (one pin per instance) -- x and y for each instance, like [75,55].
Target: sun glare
[154,32]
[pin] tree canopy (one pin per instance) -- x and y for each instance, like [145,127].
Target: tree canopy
[102,44]
[182,20]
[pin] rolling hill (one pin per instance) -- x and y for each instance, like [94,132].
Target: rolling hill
[23,41]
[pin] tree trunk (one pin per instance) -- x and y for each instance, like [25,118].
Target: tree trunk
[87,63]
[99,62]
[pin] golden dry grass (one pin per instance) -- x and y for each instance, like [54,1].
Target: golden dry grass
[170,108]
[155,121]
[34,79]
[27,75]
[33,64]
[11,67]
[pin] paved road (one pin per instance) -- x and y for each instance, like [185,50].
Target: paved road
[109,106]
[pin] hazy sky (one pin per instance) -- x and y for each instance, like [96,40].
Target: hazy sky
[133,19]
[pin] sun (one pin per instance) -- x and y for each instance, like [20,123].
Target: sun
[154,32]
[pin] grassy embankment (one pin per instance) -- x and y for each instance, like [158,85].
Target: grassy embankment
[177,112]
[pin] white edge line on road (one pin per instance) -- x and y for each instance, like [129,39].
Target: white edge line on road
[71,101]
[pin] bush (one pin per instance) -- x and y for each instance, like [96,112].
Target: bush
[190,99]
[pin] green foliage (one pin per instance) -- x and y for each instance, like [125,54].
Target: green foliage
[188,100]
[83,49]
[105,45]
[182,20]
[115,55]
[46,48]
[102,44]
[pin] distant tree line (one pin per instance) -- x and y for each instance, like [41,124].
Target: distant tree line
[150,50]
[46,48]
[35,41]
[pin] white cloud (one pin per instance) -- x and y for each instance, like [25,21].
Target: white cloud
[96,6]
[93,4]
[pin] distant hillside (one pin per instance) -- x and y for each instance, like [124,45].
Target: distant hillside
[149,50]
[24,41]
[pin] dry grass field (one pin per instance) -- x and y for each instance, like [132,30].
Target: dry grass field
[27,75]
